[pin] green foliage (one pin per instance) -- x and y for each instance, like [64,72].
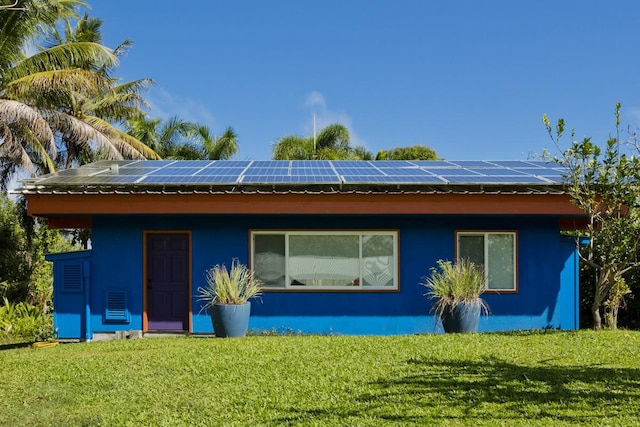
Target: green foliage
[616,300]
[604,184]
[14,256]
[179,139]
[534,379]
[451,284]
[331,143]
[416,152]
[24,273]
[55,96]
[24,322]
[233,286]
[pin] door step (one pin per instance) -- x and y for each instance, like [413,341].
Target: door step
[165,334]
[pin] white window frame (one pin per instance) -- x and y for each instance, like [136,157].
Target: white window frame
[487,273]
[359,287]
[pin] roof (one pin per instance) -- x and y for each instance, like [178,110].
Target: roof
[332,176]
[73,198]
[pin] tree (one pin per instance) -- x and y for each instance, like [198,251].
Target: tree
[604,184]
[24,273]
[176,138]
[331,143]
[416,152]
[221,147]
[38,92]
[120,102]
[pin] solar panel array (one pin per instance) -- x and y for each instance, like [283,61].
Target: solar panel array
[304,172]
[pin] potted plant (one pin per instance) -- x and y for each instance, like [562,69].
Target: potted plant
[457,289]
[227,295]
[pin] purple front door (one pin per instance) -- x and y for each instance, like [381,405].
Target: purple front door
[168,282]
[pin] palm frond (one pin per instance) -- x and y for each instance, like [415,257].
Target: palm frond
[26,152]
[56,86]
[16,112]
[39,152]
[225,146]
[133,87]
[333,136]
[84,55]
[30,18]
[293,147]
[129,146]
[80,132]
[144,130]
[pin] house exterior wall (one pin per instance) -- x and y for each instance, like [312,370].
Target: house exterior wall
[71,302]
[547,273]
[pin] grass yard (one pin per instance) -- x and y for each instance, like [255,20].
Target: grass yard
[532,379]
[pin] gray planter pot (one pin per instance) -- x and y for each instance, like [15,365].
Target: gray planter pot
[465,317]
[230,321]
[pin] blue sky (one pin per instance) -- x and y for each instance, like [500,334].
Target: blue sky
[470,79]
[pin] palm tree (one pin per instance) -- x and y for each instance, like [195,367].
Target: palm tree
[178,139]
[121,102]
[415,152]
[40,93]
[331,143]
[221,147]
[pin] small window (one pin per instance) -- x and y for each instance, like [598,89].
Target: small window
[326,260]
[496,252]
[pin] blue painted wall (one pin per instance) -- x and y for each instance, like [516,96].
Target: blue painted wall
[70,319]
[547,273]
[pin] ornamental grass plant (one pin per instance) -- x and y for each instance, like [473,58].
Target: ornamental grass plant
[230,287]
[452,284]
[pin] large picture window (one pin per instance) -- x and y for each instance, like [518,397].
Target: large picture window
[496,252]
[349,260]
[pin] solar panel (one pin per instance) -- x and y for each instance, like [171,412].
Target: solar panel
[393,164]
[407,172]
[396,179]
[472,163]
[220,171]
[522,179]
[360,172]
[432,163]
[198,179]
[311,164]
[174,171]
[543,163]
[350,164]
[229,164]
[304,172]
[91,180]
[267,171]
[312,172]
[496,171]
[514,164]
[453,172]
[543,171]
[270,164]
[143,163]
[287,179]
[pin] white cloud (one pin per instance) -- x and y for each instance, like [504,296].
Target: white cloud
[315,99]
[634,114]
[324,116]
[164,105]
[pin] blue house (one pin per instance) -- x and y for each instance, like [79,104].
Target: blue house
[341,246]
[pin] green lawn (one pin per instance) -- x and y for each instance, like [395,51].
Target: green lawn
[537,379]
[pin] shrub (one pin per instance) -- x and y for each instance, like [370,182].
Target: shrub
[23,321]
[233,286]
[451,284]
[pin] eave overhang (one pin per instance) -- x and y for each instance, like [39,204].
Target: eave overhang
[489,202]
